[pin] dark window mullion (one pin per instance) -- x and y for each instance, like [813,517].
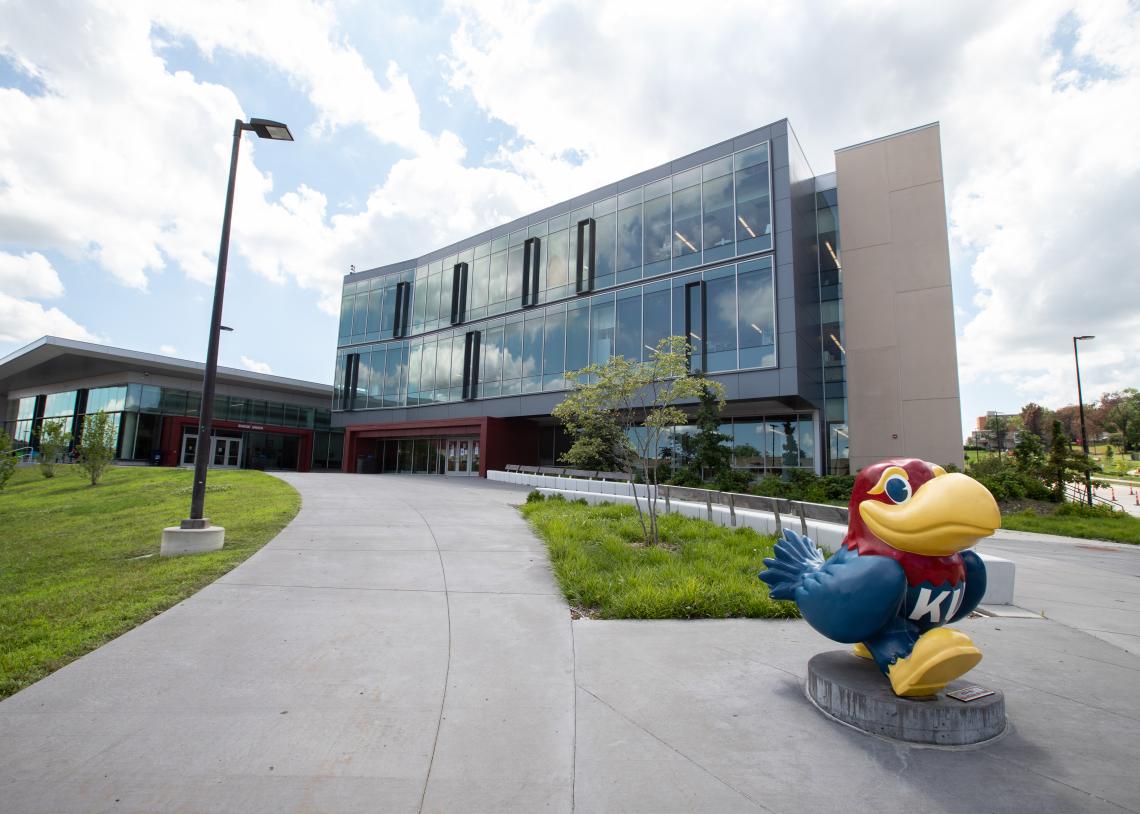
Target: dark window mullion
[470,365]
[531,256]
[695,325]
[587,251]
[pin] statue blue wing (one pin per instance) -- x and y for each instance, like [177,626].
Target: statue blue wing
[796,557]
[851,598]
[975,585]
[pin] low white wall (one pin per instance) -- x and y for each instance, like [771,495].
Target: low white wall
[1000,572]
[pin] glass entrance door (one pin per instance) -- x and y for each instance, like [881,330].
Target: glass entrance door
[462,456]
[225,452]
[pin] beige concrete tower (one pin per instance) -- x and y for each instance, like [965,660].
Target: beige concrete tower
[902,360]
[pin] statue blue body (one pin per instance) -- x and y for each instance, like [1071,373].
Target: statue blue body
[901,573]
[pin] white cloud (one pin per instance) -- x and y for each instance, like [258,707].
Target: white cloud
[1038,143]
[168,350]
[29,275]
[255,366]
[24,321]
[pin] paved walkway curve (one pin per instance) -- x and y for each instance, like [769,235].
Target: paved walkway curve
[400,646]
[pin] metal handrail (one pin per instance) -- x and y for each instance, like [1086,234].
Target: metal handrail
[1077,494]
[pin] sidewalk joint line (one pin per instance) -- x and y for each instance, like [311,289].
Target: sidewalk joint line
[447,671]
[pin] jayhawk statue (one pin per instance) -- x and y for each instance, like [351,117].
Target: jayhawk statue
[902,572]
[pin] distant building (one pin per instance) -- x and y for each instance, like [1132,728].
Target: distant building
[985,438]
[822,303]
[260,421]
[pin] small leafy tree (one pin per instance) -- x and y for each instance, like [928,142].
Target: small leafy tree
[96,445]
[54,440]
[639,400]
[8,458]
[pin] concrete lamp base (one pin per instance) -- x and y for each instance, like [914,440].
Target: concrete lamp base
[177,541]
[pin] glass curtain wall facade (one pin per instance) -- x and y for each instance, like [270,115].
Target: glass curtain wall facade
[595,270]
[690,254]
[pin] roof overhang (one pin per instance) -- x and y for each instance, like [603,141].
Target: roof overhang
[51,360]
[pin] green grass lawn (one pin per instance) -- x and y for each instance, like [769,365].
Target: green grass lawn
[79,565]
[1118,527]
[700,570]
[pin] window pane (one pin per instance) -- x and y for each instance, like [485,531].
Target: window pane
[514,277]
[629,241]
[512,358]
[605,232]
[446,282]
[532,354]
[427,372]
[601,329]
[457,343]
[757,324]
[431,304]
[753,214]
[375,384]
[391,389]
[62,404]
[480,274]
[554,352]
[629,325]
[657,233]
[556,247]
[577,335]
[359,316]
[375,306]
[346,302]
[491,371]
[718,221]
[497,290]
[687,222]
[720,327]
[656,317]
[442,369]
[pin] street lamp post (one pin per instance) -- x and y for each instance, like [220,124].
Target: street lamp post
[1081,405]
[197,522]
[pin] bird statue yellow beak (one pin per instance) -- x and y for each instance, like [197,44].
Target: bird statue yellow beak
[949,513]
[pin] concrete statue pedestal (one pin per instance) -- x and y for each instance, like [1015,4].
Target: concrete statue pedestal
[853,690]
[177,540]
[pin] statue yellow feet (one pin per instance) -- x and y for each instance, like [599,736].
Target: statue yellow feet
[861,651]
[940,656]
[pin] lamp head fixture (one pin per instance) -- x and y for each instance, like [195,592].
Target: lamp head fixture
[269,129]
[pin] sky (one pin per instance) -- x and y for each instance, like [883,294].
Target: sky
[420,123]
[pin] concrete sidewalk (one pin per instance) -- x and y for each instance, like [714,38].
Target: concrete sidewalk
[401,647]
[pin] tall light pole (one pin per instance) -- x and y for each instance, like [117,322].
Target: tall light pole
[1081,404]
[264,129]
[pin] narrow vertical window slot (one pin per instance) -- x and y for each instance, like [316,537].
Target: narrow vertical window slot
[400,310]
[470,365]
[351,374]
[587,250]
[458,293]
[531,257]
[695,318]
